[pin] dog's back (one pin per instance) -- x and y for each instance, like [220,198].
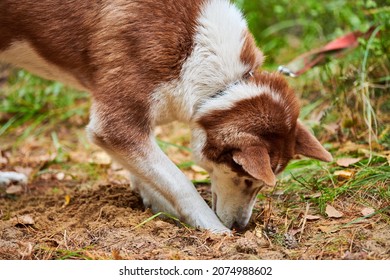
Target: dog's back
[73,42]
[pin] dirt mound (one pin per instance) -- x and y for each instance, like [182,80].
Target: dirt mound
[105,223]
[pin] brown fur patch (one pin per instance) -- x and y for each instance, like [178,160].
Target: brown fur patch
[58,32]
[152,39]
[250,54]
[121,50]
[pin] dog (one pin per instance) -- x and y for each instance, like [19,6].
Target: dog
[149,62]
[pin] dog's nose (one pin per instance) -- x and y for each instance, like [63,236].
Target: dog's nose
[238,227]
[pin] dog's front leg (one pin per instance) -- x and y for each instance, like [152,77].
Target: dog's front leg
[163,184]
[150,198]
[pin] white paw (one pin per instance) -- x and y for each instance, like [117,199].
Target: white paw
[8,178]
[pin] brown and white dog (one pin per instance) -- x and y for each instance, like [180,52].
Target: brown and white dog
[148,62]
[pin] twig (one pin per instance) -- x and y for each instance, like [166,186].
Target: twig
[352,239]
[65,240]
[304,221]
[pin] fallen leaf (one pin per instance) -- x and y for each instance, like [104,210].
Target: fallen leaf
[24,170]
[328,229]
[23,220]
[258,231]
[345,162]
[67,200]
[294,231]
[314,195]
[343,174]
[367,211]
[14,189]
[351,147]
[279,192]
[332,212]
[332,128]
[312,217]
[116,255]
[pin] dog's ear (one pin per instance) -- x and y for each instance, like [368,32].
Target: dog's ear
[307,145]
[255,160]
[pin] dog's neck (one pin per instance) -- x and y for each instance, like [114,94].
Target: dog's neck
[224,53]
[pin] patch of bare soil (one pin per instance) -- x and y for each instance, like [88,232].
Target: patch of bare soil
[103,223]
[83,210]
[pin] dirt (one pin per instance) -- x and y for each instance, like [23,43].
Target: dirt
[102,223]
[75,209]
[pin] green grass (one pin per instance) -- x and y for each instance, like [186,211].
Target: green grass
[37,105]
[63,254]
[370,180]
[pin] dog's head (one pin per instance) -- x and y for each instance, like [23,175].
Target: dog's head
[245,137]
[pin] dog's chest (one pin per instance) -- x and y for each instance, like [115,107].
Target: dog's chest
[22,54]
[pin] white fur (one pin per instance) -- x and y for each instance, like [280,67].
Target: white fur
[233,95]
[233,204]
[6,178]
[241,91]
[22,54]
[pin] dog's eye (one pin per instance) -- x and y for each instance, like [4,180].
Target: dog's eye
[248,183]
[248,75]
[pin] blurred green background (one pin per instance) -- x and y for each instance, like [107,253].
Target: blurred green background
[285,28]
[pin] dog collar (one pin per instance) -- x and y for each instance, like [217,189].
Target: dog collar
[223,91]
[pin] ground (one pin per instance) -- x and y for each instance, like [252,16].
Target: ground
[78,205]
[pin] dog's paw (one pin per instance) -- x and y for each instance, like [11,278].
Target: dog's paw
[8,178]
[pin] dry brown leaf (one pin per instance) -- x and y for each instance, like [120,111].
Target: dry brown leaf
[258,231]
[312,217]
[14,189]
[279,192]
[367,211]
[343,174]
[314,195]
[351,147]
[332,212]
[116,255]
[67,200]
[23,220]
[328,229]
[345,162]
[24,170]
